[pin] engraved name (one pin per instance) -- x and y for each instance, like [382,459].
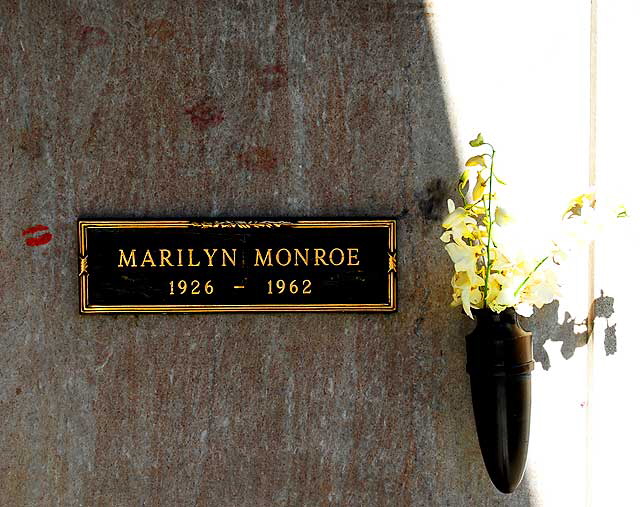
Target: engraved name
[228,257]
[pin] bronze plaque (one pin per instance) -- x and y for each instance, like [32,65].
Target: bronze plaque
[165,266]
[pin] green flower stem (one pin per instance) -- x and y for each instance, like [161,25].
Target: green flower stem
[529,275]
[471,206]
[488,270]
[464,199]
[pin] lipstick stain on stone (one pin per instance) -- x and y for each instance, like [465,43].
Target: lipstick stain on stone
[205,114]
[273,77]
[91,37]
[38,240]
[31,142]
[159,29]
[259,158]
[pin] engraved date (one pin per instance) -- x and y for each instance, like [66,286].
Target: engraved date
[290,287]
[194,287]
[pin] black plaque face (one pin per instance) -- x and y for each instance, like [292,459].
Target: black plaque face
[165,266]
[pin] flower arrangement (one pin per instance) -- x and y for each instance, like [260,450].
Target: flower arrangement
[491,269]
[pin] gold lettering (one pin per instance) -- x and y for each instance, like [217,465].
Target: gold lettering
[298,254]
[164,257]
[210,255]
[339,250]
[225,255]
[130,261]
[191,264]
[266,260]
[148,258]
[288,257]
[320,256]
[353,256]
[228,256]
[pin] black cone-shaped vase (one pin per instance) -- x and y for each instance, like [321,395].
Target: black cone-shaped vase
[499,363]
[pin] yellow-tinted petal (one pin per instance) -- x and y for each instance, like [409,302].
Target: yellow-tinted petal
[478,141]
[476,160]
[502,217]
[464,178]
[478,190]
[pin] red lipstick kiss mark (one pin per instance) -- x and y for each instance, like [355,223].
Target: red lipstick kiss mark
[42,239]
[205,114]
[30,142]
[160,29]
[91,37]
[273,77]
[258,159]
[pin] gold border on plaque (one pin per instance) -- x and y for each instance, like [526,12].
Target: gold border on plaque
[84,263]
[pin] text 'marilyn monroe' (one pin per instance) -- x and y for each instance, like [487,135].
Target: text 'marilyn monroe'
[227,257]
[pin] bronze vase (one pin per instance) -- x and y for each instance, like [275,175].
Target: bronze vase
[499,363]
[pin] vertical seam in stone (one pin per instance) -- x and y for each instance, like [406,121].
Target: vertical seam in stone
[593,48]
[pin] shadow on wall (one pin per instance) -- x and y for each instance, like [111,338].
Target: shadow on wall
[601,307]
